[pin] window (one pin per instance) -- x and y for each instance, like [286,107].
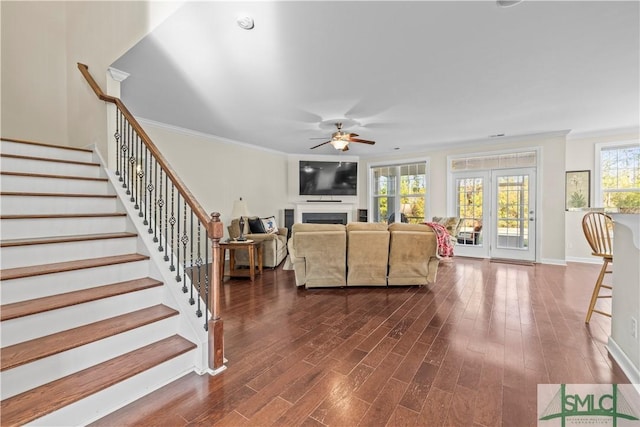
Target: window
[399,191]
[618,175]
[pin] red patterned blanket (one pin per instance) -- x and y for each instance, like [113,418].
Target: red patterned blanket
[445,247]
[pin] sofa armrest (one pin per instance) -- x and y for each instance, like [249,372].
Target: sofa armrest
[283,231]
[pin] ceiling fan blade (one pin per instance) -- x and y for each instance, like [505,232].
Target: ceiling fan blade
[353,134]
[346,147]
[364,141]
[320,145]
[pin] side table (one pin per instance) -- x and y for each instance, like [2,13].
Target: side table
[252,247]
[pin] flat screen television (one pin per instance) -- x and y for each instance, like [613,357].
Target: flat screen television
[328,178]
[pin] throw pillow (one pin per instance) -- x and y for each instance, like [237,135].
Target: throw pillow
[269,225]
[255,225]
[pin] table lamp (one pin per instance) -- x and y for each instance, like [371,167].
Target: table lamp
[240,211]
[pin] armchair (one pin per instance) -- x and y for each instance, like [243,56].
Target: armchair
[274,245]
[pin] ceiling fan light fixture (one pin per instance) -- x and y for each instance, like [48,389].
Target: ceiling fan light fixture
[339,144]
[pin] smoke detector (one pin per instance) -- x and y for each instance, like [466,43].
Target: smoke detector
[507,3]
[245,22]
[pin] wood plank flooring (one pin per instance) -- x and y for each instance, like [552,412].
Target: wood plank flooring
[468,350]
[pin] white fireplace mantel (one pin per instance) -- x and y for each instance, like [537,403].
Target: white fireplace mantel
[323,207]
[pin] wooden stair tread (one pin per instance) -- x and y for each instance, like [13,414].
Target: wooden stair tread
[52,176]
[42,144]
[58,267]
[65,239]
[39,348]
[28,194]
[58,216]
[68,299]
[33,404]
[48,159]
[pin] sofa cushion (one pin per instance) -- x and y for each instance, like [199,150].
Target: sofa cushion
[256,226]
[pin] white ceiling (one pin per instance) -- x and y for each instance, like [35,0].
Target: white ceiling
[406,74]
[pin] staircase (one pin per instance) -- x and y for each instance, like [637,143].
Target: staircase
[87,323]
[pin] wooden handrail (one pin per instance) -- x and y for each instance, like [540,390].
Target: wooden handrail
[182,189]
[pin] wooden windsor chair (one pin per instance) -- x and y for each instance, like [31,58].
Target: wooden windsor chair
[598,229]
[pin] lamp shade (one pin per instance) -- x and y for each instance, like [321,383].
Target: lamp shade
[239,209]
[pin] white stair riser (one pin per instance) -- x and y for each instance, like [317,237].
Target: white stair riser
[39,372]
[22,256]
[100,404]
[27,288]
[29,205]
[27,328]
[12,164]
[9,147]
[31,228]
[30,184]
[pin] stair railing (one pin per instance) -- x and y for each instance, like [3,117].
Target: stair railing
[179,225]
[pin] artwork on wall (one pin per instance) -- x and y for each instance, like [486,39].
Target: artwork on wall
[577,189]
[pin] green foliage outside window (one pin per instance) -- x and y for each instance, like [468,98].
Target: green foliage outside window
[620,177]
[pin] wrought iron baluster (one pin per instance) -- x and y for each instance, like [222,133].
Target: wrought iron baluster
[157,223]
[140,169]
[185,242]
[166,218]
[179,239]
[148,184]
[135,165]
[172,222]
[199,272]
[125,155]
[206,282]
[117,135]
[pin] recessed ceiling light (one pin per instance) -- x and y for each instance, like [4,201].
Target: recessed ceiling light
[507,3]
[496,135]
[245,22]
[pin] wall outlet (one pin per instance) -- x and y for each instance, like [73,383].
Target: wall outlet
[634,327]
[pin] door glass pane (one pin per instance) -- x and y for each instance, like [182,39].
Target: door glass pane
[469,199]
[513,212]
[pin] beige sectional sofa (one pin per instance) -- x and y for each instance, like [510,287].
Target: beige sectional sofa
[363,254]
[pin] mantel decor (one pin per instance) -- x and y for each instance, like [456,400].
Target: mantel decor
[577,186]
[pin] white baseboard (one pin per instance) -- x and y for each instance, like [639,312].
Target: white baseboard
[630,370]
[553,261]
[590,260]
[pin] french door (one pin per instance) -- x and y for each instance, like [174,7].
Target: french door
[497,211]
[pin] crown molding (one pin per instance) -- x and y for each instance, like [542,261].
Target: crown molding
[203,135]
[603,133]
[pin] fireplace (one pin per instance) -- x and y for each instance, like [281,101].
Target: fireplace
[324,217]
[324,213]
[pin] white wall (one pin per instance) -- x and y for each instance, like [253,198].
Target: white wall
[580,156]
[550,216]
[44,96]
[34,85]
[218,172]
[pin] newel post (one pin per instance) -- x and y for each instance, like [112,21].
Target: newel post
[216,330]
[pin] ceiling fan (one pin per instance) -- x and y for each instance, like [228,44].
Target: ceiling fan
[340,140]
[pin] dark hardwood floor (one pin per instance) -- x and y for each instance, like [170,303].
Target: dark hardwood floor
[468,350]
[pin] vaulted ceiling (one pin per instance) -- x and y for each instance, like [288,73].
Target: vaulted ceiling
[409,75]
